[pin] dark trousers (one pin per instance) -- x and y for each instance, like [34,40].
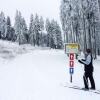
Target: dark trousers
[89,75]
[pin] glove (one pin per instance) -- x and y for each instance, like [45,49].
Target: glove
[83,59]
[79,61]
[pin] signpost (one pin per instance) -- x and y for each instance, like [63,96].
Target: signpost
[71,49]
[71,65]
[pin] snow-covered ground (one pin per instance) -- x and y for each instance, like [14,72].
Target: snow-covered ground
[40,75]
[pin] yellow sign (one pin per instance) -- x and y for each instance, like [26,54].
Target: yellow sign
[71,48]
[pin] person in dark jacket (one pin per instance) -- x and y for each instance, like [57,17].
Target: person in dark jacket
[88,68]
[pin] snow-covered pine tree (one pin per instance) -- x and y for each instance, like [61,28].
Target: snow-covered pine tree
[2,25]
[20,28]
[50,33]
[59,37]
[53,34]
[54,38]
[47,26]
[41,31]
[31,31]
[13,35]
[56,35]
[17,26]
[24,32]
[37,29]
[8,29]
[41,24]
[44,40]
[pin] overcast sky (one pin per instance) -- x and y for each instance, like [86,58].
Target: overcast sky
[45,8]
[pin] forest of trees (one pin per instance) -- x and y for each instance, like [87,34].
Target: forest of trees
[81,23]
[39,33]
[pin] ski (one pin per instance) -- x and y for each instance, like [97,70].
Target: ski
[79,88]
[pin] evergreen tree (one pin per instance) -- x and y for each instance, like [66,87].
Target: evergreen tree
[59,37]
[8,29]
[56,35]
[41,31]
[37,30]
[20,28]
[31,30]
[2,25]
[54,39]
[53,34]
[17,26]
[41,23]
[48,29]
[24,33]
[13,35]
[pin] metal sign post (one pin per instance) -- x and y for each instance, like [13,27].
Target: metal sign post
[71,49]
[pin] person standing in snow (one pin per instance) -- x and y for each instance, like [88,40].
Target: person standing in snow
[88,68]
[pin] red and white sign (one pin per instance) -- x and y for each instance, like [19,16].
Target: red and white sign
[71,56]
[71,63]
